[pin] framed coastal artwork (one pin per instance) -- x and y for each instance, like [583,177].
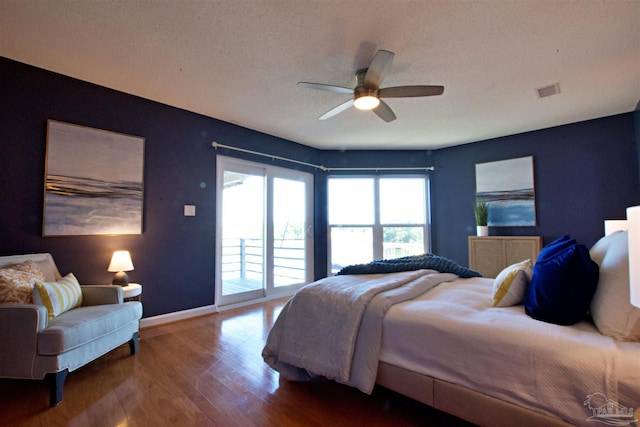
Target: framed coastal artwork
[93,182]
[508,188]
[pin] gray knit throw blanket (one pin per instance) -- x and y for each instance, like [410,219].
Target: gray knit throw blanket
[411,263]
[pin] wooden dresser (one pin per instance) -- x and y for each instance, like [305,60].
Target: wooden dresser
[491,254]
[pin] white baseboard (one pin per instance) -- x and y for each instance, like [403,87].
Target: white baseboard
[250,302]
[200,311]
[178,315]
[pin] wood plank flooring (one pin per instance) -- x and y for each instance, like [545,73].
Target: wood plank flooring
[206,371]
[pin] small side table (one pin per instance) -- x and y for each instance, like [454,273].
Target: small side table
[132,292]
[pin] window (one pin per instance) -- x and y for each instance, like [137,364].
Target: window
[376,218]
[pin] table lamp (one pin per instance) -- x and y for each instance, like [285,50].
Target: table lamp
[120,262]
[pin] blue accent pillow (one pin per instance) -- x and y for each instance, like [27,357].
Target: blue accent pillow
[555,247]
[563,283]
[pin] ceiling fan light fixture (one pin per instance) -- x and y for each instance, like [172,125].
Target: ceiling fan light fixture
[367,93]
[366,100]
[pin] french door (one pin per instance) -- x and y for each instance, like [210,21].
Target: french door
[264,240]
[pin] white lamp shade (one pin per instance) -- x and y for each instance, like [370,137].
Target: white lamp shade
[120,261]
[633,223]
[613,225]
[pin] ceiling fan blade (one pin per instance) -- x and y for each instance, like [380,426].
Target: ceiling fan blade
[322,86]
[410,91]
[336,110]
[385,112]
[380,66]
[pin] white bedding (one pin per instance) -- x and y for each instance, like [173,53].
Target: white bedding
[332,327]
[452,333]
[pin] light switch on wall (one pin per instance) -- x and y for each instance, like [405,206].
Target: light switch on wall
[189,210]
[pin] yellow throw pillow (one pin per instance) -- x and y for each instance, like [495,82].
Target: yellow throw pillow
[59,296]
[511,284]
[17,282]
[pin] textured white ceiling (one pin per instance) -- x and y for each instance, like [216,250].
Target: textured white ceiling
[239,61]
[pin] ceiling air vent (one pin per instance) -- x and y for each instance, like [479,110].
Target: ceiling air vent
[549,90]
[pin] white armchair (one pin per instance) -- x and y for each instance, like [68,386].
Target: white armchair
[35,347]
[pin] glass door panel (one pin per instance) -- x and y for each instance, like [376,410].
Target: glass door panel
[289,232]
[242,233]
[264,237]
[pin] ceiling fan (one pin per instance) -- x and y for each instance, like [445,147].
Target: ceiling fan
[367,93]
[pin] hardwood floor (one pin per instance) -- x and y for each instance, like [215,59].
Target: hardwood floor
[206,371]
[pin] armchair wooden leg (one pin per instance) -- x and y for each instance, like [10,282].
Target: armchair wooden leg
[133,343]
[56,384]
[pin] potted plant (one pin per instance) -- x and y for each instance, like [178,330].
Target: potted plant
[481,211]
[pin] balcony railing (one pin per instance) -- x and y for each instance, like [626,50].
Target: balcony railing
[243,263]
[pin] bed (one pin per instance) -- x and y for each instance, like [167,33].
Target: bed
[464,345]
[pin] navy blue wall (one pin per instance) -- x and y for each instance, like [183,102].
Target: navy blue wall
[174,256]
[584,173]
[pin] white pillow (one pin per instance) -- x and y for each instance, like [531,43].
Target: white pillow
[511,284]
[611,308]
[59,296]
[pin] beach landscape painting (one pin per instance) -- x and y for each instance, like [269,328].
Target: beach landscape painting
[507,187]
[93,181]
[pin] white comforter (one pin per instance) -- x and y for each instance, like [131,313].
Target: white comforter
[452,333]
[340,327]
[333,327]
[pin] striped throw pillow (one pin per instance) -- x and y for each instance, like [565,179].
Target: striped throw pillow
[511,284]
[59,296]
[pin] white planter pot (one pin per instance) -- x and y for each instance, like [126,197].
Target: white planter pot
[482,230]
